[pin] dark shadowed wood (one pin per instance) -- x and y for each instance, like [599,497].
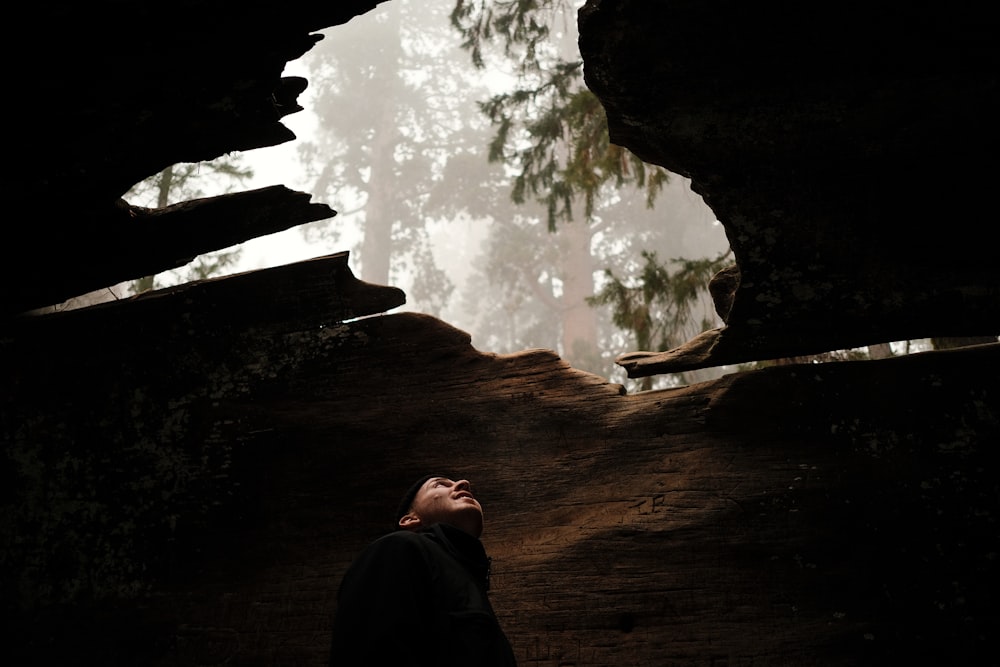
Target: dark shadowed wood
[174,235]
[835,514]
[186,475]
[809,132]
[150,241]
[122,91]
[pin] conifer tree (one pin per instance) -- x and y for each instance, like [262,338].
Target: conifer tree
[551,132]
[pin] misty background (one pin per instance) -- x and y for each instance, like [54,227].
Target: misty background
[450,143]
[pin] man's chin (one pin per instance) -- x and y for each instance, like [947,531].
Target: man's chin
[470,521]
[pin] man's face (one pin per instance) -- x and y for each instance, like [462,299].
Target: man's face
[441,500]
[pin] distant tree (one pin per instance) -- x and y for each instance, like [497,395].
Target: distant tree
[402,151]
[656,307]
[182,182]
[550,128]
[551,134]
[396,112]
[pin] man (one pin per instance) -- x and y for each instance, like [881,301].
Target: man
[418,596]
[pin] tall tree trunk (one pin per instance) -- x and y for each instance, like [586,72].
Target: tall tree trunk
[880,351]
[376,243]
[166,182]
[579,320]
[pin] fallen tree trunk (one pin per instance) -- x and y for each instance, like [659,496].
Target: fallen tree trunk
[187,487]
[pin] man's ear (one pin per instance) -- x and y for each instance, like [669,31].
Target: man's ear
[410,521]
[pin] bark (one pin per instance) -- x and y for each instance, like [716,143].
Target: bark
[186,475]
[766,135]
[196,503]
[145,242]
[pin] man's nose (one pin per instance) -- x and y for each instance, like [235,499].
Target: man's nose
[463,484]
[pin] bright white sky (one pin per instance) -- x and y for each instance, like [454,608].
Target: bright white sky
[279,165]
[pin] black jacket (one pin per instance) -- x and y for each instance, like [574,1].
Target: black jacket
[419,598]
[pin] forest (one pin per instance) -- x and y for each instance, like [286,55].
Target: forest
[484,184]
[675,284]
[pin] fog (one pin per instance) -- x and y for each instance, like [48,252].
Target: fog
[421,207]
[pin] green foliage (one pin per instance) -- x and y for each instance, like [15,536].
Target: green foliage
[411,144]
[550,134]
[514,22]
[656,306]
[550,129]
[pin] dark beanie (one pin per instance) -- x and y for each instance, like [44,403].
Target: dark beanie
[411,493]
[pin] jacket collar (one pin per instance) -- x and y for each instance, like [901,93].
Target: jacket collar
[466,549]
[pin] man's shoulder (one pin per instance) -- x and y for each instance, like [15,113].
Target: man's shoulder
[390,551]
[426,542]
[400,540]
[398,537]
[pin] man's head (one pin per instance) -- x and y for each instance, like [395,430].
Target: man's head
[439,499]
